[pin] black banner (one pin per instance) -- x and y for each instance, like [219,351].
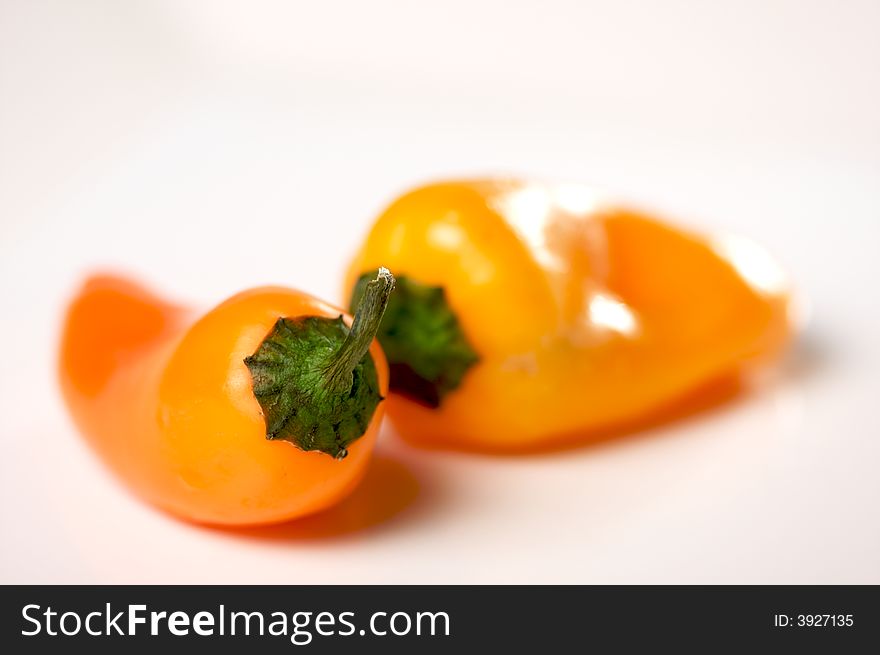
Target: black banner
[278,619]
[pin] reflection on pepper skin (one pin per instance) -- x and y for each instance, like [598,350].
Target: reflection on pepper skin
[581,314]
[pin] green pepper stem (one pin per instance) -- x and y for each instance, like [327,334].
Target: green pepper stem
[367,317]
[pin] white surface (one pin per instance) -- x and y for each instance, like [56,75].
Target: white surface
[164,138]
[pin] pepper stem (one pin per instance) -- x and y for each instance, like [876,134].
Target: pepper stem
[367,317]
[427,349]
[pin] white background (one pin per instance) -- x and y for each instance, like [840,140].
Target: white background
[210,146]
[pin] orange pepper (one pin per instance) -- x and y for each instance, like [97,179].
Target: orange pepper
[264,409]
[532,315]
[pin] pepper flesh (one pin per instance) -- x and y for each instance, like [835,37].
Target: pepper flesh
[166,400]
[585,316]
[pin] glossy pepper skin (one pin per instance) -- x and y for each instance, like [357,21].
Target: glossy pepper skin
[579,315]
[167,400]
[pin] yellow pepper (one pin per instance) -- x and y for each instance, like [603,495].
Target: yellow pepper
[532,315]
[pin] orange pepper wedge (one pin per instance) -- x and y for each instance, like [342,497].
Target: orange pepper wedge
[169,400]
[532,315]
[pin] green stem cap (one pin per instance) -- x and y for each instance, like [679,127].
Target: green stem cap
[427,350]
[314,377]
